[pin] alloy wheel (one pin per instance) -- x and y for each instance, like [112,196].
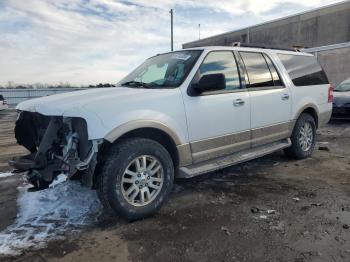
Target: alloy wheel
[142,180]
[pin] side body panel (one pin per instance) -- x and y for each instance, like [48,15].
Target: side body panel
[311,96]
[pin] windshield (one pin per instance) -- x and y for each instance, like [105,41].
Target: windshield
[163,71]
[343,87]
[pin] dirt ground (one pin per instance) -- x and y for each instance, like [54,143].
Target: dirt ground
[271,209]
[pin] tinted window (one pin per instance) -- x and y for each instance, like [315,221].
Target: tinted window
[275,77]
[258,72]
[221,62]
[1,97]
[304,70]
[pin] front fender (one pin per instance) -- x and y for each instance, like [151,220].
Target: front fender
[137,124]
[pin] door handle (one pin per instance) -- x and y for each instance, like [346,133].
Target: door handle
[238,102]
[285,97]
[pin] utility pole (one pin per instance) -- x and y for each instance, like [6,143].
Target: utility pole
[199,31]
[172,29]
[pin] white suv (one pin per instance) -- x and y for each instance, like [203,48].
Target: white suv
[179,114]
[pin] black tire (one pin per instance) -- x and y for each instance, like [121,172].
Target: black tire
[109,184]
[296,150]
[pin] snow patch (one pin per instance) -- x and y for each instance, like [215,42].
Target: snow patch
[61,178]
[7,174]
[48,215]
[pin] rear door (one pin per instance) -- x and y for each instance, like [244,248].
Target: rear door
[270,99]
[218,121]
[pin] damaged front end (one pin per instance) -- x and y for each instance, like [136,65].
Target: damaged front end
[59,149]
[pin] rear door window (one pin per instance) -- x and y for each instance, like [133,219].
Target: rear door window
[303,70]
[259,74]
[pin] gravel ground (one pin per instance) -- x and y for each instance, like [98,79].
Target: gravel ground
[270,209]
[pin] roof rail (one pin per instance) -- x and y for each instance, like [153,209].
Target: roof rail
[239,44]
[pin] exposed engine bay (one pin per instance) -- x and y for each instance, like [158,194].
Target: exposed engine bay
[58,146]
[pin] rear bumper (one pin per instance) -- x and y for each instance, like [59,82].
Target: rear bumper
[341,113]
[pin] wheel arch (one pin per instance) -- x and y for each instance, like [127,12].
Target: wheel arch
[157,135]
[150,132]
[131,126]
[310,109]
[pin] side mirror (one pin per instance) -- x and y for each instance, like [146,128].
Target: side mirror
[212,82]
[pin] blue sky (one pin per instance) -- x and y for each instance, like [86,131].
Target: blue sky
[92,41]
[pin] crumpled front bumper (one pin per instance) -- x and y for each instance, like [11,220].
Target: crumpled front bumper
[57,145]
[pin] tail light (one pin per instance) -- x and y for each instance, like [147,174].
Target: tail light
[330,94]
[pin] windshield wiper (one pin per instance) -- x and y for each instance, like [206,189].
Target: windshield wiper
[136,84]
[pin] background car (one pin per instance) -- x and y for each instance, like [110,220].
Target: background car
[341,102]
[3,103]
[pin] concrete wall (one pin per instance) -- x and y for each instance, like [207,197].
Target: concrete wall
[324,26]
[321,27]
[336,63]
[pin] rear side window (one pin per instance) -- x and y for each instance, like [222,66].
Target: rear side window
[259,74]
[1,97]
[304,70]
[275,76]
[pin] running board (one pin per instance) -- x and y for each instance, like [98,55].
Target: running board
[236,158]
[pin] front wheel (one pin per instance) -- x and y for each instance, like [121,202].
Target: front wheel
[303,138]
[136,178]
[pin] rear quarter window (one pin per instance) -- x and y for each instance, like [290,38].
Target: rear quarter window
[303,70]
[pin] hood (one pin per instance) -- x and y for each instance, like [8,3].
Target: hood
[107,108]
[67,104]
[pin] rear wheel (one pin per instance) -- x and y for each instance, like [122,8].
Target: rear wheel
[303,137]
[136,178]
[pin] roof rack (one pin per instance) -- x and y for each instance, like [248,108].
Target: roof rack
[294,48]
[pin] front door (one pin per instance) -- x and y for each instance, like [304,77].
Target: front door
[218,121]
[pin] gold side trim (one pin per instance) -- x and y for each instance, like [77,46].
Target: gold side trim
[219,141]
[132,125]
[268,134]
[224,145]
[217,146]
[185,156]
[220,151]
